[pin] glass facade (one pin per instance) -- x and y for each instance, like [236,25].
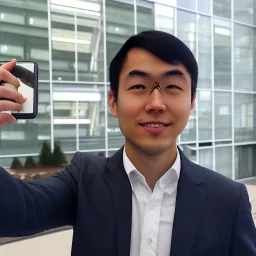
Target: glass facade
[73,43]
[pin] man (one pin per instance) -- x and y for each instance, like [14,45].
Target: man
[148,198]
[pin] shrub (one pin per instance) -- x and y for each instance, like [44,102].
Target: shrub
[45,157]
[58,157]
[16,164]
[30,162]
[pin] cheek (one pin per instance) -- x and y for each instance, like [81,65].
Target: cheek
[128,107]
[181,110]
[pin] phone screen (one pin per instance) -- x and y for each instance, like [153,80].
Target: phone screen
[27,73]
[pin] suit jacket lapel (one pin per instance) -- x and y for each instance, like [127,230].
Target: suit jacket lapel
[120,187]
[189,203]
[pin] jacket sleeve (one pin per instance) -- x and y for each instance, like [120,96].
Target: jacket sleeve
[244,233]
[27,208]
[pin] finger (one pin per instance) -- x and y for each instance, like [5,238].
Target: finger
[6,119]
[8,77]
[9,93]
[9,65]
[6,105]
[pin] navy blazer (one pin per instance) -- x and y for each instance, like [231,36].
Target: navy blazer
[93,194]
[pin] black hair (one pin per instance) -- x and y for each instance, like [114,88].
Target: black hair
[165,46]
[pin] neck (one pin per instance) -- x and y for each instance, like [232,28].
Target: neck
[152,167]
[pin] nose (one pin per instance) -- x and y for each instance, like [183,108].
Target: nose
[155,102]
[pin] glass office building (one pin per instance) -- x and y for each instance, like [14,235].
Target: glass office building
[73,43]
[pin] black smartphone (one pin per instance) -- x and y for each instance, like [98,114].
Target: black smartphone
[27,73]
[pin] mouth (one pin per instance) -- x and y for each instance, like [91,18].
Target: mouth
[154,125]
[155,128]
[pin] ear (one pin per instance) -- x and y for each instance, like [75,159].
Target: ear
[193,103]
[112,104]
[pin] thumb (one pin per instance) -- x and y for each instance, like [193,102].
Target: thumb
[9,65]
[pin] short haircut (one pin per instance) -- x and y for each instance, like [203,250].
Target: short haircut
[165,46]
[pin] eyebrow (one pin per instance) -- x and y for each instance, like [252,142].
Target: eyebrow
[137,73]
[169,73]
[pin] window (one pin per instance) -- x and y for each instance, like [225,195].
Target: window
[206,158]
[189,133]
[223,116]
[222,8]
[119,26]
[77,42]
[186,29]
[164,18]
[222,54]
[245,11]
[245,106]
[204,6]
[205,115]
[245,164]
[191,4]
[244,58]
[223,161]
[145,15]
[204,52]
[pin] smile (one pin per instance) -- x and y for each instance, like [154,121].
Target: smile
[155,128]
[154,125]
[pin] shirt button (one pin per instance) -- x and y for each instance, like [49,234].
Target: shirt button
[153,206]
[149,240]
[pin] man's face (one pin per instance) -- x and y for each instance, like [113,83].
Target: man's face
[151,117]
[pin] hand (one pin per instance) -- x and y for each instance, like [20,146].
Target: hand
[9,93]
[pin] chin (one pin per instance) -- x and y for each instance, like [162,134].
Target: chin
[154,149]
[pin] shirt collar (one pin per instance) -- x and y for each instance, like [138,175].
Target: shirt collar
[171,177]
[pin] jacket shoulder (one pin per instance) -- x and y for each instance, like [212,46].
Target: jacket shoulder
[218,185]
[89,162]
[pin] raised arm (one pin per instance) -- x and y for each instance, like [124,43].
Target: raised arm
[27,208]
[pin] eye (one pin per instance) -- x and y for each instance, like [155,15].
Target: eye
[172,86]
[137,86]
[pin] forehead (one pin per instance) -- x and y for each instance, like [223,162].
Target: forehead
[141,59]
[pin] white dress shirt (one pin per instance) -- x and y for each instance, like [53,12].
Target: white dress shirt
[152,212]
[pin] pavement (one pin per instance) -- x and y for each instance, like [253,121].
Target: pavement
[251,188]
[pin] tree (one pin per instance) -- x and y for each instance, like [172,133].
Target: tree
[30,162]
[16,164]
[58,157]
[45,157]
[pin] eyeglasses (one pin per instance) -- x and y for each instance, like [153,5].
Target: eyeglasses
[156,85]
